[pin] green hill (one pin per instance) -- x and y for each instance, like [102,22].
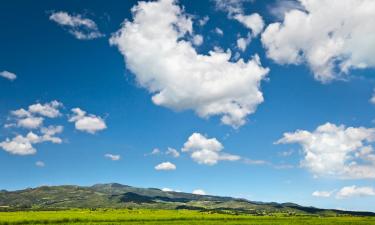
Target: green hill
[122,196]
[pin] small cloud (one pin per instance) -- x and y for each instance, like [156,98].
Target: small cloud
[167,190]
[372,99]
[207,151]
[87,122]
[165,166]
[254,22]
[198,40]
[255,162]
[203,21]
[243,42]
[40,164]
[322,194]
[8,75]
[112,157]
[199,192]
[219,31]
[173,152]
[286,153]
[155,151]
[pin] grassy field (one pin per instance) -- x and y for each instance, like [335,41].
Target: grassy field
[159,217]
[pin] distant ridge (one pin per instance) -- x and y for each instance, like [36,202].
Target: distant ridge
[115,195]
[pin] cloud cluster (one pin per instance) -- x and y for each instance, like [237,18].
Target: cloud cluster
[82,28]
[165,166]
[87,122]
[180,78]
[8,75]
[331,47]
[33,117]
[205,150]
[23,145]
[337,151]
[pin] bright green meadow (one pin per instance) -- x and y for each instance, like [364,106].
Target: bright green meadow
[148,217]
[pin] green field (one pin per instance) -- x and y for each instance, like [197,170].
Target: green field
[146,216]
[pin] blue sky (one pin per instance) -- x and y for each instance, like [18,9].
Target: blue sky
[61,59]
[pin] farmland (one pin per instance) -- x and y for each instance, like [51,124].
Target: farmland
[150,216]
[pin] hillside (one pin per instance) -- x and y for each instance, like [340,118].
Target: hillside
[122,196]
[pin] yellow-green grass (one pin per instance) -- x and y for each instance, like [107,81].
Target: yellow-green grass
[159,217]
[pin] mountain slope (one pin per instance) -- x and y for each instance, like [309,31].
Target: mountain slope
[122,196]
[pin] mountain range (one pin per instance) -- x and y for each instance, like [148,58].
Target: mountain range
[114,195]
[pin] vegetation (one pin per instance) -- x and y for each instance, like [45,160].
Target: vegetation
[149,216]
[122,204]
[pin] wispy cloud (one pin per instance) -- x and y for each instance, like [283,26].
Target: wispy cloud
[82,28]
[112,157]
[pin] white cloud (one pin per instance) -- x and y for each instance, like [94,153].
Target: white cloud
[40,164]
[372,99]
[48,134]
[254,22]
[8,75]
[337,151]
[354,191]
[112,157]
[199,192]
[165,166]
[33,117]
[322,194]
[23,145]
[178,77]
[173,152]
[21,113]
[88,123]
[82,28]
[30,122]
[198,40]
[219,31]
[330,47]
[243,42]
[167,190]
[50,109]
[19,145]
[231,6]
[155,151]
[281,7]
[203,21]
[205,150]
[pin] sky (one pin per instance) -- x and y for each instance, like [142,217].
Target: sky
[263,100]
